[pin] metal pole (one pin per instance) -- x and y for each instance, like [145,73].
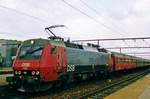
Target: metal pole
[120,50]
[98,43]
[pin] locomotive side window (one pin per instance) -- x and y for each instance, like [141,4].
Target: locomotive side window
[53,51]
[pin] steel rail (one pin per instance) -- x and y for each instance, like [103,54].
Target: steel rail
[100,93]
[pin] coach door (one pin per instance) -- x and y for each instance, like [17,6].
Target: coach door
[113,61]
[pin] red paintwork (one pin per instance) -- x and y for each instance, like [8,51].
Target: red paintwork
[122,65]
[26,65]
[110,63]
[50,66]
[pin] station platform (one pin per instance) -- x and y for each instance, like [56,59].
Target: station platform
[137,90]
[5,70]
[3,79]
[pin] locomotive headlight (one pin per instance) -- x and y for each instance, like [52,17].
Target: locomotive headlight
[19,72]
[16,72]
[37,72]
[33,72]
[25,72]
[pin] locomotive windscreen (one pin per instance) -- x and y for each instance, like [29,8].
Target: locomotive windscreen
[32,49]
[30,52]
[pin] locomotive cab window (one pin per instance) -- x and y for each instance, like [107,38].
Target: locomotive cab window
[30,52]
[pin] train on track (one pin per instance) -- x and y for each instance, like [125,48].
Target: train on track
[41,64]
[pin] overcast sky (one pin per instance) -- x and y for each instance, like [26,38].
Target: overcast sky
[24,19]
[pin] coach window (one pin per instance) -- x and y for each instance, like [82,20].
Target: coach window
[117,59]
[128,60]
[125,60]
[120,60]
[131,61]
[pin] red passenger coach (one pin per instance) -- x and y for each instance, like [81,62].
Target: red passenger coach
[123,62]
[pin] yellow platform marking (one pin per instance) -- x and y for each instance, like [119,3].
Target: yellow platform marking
[132,91]
[3,79]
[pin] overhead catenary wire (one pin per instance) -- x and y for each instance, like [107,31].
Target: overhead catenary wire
[112,39]
[22,13]
[16,35]
[94,10]
[146,42]
[126,43]
[89,7]
[96,13]
[41,20]
[92,18]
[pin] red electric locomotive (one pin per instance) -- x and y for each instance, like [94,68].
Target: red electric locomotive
[38,63]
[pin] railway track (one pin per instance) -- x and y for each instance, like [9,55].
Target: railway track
[8,93]
[99,93]
[91,89]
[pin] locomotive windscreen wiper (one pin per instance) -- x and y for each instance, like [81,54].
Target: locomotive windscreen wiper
[30,53]
[35,50]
